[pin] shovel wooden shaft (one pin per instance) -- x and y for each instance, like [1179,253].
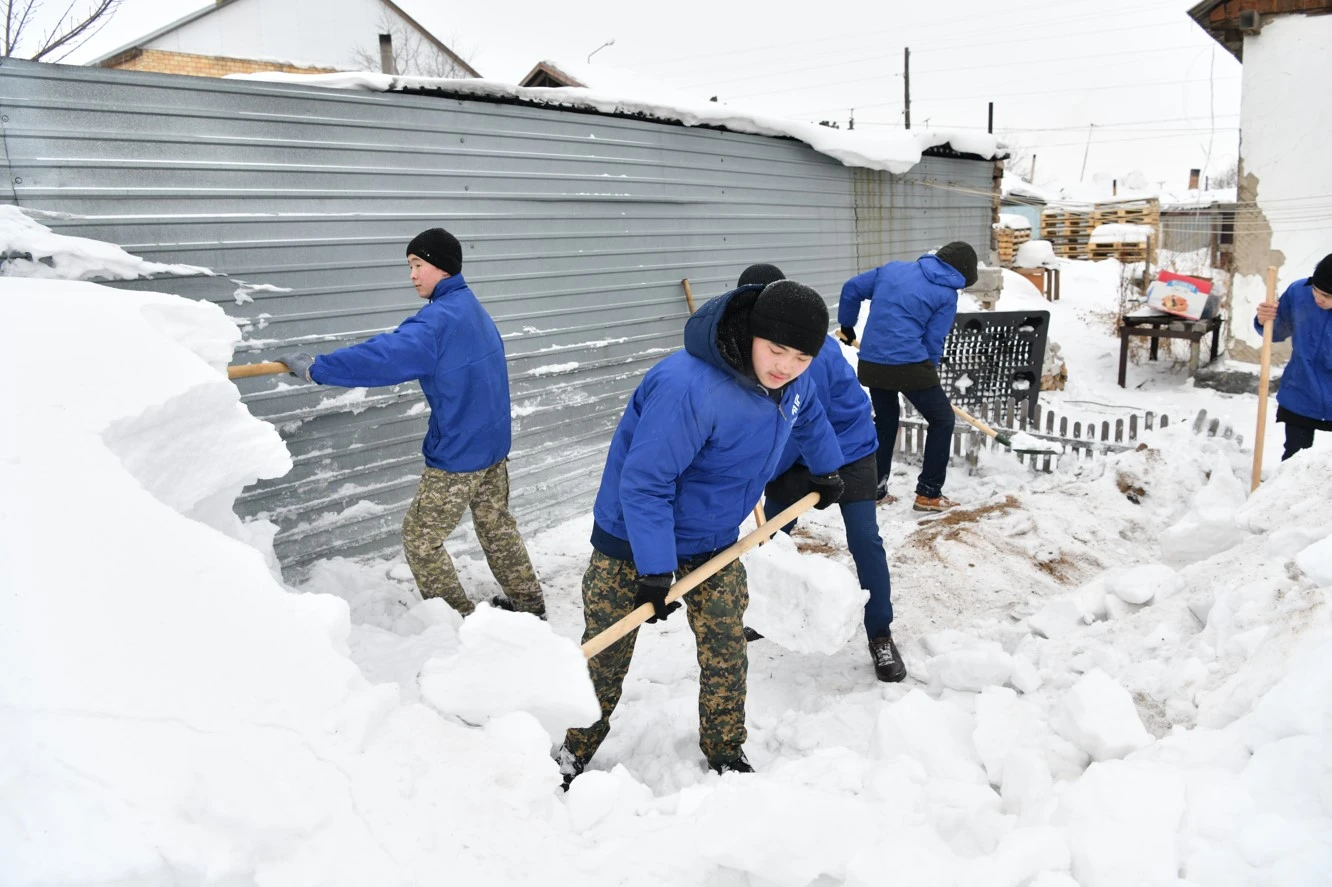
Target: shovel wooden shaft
[689,294]
[1264,375]
[246,370]
[637,617]
[976,423]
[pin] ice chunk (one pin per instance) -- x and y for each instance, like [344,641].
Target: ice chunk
[803,602]
[1097,715]
[511,662]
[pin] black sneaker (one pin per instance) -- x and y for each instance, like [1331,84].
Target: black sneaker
[731,765]
[571,766]
[502,602]
[881,494]
[751,635]
[887,662]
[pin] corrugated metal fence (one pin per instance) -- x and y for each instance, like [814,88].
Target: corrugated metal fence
[577,231]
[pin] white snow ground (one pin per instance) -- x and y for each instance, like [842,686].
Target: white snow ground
[1103,691]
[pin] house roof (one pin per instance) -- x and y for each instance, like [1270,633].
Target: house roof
[209,10]
[1221,18]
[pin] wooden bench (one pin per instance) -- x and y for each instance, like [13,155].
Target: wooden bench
[1166,326]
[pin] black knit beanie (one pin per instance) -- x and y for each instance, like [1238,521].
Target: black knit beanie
[790,314]
[439,248]
[961,256]
[1322,276]
[763,274]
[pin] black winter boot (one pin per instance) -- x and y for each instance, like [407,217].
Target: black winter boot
[731,765]
[571,766]
[887,662]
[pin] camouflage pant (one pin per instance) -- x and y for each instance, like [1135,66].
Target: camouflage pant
[434,514]
[716,610]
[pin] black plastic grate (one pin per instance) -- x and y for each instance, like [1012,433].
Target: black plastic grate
[992,356]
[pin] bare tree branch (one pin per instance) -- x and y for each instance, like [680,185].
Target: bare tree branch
[74,25]
[412,53]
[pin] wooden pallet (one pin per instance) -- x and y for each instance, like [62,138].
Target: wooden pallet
[1008,240]
[1125,252]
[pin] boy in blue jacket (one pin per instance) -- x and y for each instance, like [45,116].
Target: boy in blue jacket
[452,346]
[912,307]
[848,410]
[1304,315]
[698,440]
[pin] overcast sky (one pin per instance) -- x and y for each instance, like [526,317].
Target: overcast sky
[1156,94]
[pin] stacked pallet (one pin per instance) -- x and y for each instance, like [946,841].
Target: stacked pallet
[1067,230]
[1008,240]
[1140,212]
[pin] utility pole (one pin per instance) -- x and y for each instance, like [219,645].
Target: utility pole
[906,69]
[1083,174]
[851,124]
[1033,169]
[990,130]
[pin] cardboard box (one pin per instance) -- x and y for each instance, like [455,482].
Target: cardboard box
[1179,295]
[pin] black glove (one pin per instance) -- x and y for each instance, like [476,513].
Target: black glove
[652,590]
[849,335]
[828,486]
[298,363]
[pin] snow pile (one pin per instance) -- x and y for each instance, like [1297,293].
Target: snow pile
[30,249]
[1035,254]
[803,602]
[1120,233]
[1013,220]
[895,152]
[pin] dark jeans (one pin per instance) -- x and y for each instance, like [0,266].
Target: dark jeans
[866,545]
[933,405]
[1298,437]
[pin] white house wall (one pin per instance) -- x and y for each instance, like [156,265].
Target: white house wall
[326,34]
[1286,125]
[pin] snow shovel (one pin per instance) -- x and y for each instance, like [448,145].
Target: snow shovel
[998,436]
[1264,376]
[688,583]
[246,370]
[1002,437]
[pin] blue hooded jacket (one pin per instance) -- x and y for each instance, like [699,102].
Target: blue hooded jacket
[912,307]
[845,402]
[453,347]
[696,445]
[1306,382]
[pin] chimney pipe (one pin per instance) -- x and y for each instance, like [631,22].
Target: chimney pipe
[1114,187]
[1193,179]
[386,54]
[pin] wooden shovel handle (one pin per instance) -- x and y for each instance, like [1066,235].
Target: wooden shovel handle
[973,421]
[1264,376]
[636,618]
[246,370]
[689,294]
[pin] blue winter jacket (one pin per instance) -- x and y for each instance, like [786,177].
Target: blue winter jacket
[845,402]
[453,347]
[1306,382]
[912,306]
[696,445]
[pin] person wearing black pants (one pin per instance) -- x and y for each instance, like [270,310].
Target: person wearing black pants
[912,307]
[1304,315]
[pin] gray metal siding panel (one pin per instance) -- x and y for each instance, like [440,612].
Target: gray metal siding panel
[577,231]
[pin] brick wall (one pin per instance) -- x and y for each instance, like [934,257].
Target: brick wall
[162,62]
[1225,13]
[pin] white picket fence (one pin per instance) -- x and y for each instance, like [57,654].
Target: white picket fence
[1081,439]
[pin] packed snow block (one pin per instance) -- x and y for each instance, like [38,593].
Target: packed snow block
[1209,527]
[598,794]
[937,735]
[1316,562]
[1295,496]
[917,856]
[802,602]
[971,668]
[1058,618]
[1004,724]
[1123,820]
[1097,715]
[509,662]
[786,834]
[1021,855]
[1143,583]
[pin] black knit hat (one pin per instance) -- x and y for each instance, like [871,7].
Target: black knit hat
[1322,276]
[439,248]
[761,274]
[961,256]
[790,314]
